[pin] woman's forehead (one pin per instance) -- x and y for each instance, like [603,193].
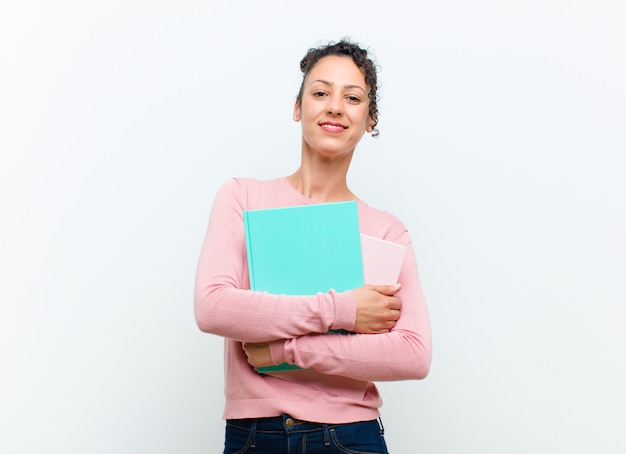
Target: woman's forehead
[333,69]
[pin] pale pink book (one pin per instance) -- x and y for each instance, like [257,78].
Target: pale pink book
[382,260]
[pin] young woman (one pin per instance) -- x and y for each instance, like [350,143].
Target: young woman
[332,404]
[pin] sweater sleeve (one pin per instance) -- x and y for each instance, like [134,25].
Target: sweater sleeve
[404,353]
[223,303]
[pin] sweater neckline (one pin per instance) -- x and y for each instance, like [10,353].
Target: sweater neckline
[304,199]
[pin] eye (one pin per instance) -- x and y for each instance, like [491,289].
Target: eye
[319,94]
[353,99]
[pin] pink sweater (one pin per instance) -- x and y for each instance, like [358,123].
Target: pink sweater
[337,383]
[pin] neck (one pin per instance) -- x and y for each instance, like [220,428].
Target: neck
[322,181]
[320,189]
[322,176]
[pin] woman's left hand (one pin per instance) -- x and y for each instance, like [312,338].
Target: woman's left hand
[258,354]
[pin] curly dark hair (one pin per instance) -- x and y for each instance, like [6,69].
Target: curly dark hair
[346,48]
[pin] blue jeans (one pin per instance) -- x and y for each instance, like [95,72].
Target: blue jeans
[286,435]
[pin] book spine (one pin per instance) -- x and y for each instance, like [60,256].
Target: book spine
[246,226]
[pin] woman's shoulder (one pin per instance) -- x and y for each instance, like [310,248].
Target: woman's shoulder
[251,182]
[247,184]
[381,223]
[256,193]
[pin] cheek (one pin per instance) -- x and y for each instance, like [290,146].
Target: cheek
[309,110]
[363,116]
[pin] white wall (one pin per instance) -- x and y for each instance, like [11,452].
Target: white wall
[502,147]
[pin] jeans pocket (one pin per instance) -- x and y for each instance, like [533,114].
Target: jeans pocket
[359,438]
[238,440]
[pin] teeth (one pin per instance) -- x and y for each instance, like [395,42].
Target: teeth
[332,126]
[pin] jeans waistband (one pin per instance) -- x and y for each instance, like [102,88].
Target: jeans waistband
[277,424]
[284,423]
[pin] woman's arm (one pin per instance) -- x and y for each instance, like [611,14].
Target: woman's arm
[403,353]
[225,306]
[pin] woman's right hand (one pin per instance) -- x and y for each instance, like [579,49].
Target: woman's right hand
[377,309]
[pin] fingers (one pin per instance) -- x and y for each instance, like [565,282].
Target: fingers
[257,353]
[389,321]
[394,314]
[395,304]
[244,347]
[384,327]
[378,309]
[380,319]
[388,290]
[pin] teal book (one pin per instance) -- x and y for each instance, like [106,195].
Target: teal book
[303,250]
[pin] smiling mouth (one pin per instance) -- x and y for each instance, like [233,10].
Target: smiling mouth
[333,126]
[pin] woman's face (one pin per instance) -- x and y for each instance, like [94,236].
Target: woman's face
[334,109]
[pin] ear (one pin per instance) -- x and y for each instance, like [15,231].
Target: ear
[370,127]
[296,111]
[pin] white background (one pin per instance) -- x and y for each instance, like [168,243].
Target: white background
[502,148]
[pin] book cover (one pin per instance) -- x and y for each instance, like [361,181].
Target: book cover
[382,260]
[308,249]
[304,250]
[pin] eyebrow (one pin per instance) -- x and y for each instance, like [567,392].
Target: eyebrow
[325,82]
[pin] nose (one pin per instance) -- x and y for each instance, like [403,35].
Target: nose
[334,105]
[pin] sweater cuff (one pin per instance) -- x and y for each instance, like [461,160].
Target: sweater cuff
[277,351]
[345,310]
